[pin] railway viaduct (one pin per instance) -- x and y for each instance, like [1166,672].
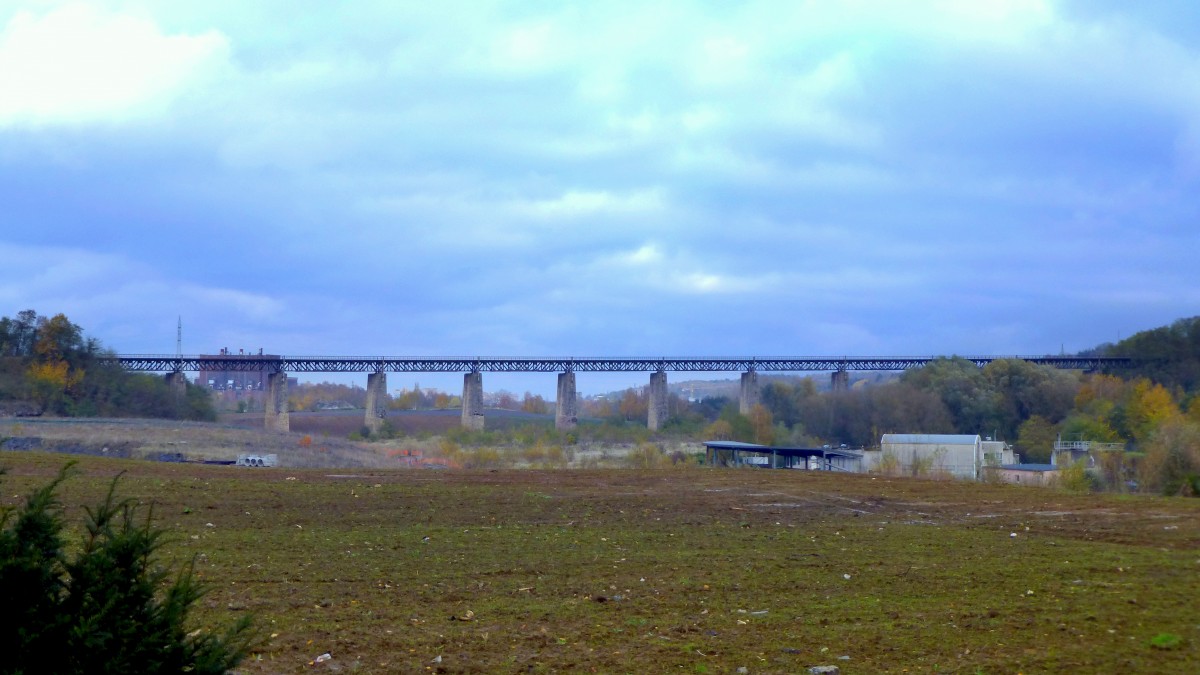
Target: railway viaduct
[277,369]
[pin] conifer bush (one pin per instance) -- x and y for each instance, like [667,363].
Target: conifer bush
[107,608]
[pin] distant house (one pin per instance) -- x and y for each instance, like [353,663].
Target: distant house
[957,455]
[1028,474]
[997,453]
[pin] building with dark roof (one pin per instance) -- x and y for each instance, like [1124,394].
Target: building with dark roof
[735,453]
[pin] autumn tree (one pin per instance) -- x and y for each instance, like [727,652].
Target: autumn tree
[1193,410]
[720,430]
[51,383]
[786,401]
[1171,464]
[506,401]
[964,390]
[739,425]
[762,425]
[633,405]
[1149,406]
[535,404]
[1023,390]
[300,399]
[1035,439]
[47,360]
[407,400]
[57,339]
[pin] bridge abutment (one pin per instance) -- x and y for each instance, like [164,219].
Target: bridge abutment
[472,401]
[376,401]
[566,412]
[839,380]
[750,394]
[657,401]
[276,403]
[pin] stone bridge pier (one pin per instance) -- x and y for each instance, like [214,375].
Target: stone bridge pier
[376,401]
[750,394]
[177,383]
[839,380]
[472,401]
[566,411]
[276,402]
[658,411]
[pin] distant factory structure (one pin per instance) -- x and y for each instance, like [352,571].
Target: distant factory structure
[231,378]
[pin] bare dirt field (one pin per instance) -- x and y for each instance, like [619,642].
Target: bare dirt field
[160,439]
[676,570]
[341,423]
[316,440]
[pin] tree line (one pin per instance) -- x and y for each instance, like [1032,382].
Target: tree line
[48,366]
[1151,409]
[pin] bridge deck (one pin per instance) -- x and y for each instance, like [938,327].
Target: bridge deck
[421,364]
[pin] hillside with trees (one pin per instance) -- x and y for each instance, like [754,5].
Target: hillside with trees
[1169,355]
[47,366]
[1151,408]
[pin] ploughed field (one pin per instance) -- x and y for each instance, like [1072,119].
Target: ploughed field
[680,570]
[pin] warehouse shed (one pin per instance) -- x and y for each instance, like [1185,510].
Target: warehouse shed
[958,455]
[826,458]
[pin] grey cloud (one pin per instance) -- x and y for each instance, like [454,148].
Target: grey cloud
[766,179]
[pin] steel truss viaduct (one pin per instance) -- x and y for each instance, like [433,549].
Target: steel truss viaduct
[277,369]
[498,364]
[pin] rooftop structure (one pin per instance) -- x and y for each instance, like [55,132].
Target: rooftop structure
[736,453]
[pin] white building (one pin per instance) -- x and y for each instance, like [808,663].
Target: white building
[997,453]
[958,455]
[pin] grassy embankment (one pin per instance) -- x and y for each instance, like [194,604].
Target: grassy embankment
[690,570]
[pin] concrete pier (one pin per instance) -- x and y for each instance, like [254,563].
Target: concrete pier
[276,403]
[840,380]
[750,394]
[177,383]
[566,411]
[657,395]
[376,401]
[472,401]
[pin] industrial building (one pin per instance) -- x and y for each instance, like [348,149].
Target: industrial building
[234,377]
[956,455]
[735,453]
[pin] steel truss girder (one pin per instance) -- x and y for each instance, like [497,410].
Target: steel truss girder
[355,364]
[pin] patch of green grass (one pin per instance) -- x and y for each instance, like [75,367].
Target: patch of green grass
[1166,641]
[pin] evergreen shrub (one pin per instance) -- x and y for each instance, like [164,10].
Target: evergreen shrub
[107,608]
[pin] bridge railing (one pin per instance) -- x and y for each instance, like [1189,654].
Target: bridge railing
[465,364]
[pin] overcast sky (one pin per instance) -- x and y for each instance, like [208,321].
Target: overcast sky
[601,178]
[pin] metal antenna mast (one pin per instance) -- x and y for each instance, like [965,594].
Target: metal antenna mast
[179,336]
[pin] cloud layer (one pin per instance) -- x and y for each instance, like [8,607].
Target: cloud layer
[617,178]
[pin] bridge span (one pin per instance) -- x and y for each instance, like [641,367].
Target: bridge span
[566,414]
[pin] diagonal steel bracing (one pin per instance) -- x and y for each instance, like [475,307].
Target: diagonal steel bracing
[420,364]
